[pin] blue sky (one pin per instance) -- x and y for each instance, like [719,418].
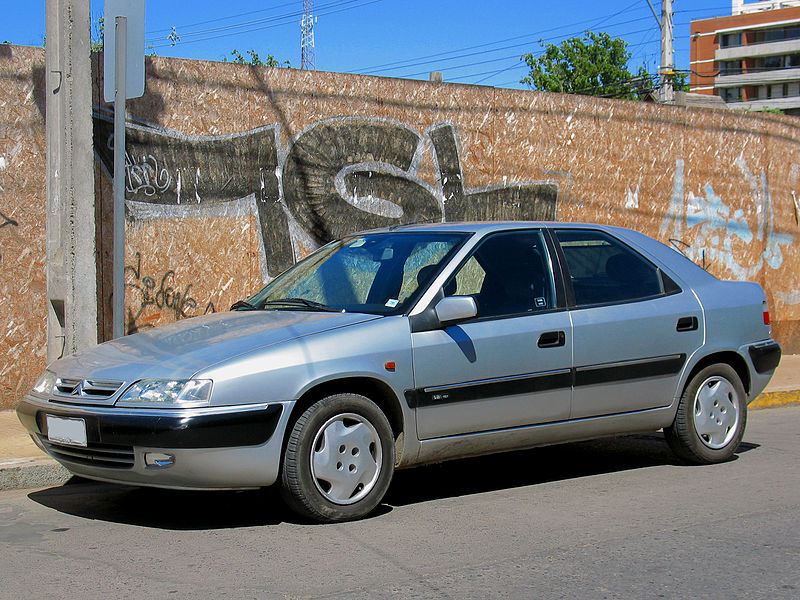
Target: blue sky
[470,41]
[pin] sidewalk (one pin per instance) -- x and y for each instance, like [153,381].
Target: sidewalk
[24,466]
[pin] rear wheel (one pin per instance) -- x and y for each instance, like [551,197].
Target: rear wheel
[339,459]
[711,417]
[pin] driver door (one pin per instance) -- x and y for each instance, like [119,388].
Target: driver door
[510,366]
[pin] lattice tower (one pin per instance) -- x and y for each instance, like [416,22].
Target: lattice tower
[307,36]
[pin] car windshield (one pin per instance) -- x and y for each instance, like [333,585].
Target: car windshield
[379,273]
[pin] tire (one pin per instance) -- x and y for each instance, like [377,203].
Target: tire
[711,417]
[339,459]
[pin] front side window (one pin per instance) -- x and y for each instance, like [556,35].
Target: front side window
[603,270]
[375,273]
[507,274]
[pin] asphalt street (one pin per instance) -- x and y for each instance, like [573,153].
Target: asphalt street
[614,518]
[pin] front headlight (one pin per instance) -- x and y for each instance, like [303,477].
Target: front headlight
[158,393]
[45,383]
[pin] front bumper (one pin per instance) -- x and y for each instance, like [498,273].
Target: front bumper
[208,448]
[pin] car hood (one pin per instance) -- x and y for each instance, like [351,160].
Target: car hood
[181,349]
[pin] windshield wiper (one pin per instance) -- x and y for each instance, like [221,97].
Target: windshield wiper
[242,304]
[302,302]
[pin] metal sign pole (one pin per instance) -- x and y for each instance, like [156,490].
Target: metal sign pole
[120,79]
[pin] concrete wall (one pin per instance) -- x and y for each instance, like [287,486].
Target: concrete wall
[233,172]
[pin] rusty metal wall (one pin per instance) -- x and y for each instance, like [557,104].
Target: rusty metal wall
[233,172]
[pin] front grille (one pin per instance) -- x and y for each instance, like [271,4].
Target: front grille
[86,388]
[95,455]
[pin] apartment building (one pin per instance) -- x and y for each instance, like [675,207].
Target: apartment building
[751,59]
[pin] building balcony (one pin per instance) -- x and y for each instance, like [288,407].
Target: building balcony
[756,50]
[757,78]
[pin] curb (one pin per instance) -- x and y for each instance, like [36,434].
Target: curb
[30,473]
[775,399]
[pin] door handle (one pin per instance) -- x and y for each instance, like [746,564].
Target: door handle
[552,339]
[687,324]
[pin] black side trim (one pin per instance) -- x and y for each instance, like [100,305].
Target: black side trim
[219,430]
[639,369]
[765,356]
[541,382]
[525,384]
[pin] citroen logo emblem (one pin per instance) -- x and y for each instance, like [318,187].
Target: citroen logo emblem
[77,390]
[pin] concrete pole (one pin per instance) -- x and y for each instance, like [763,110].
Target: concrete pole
[71,243]
[667,92]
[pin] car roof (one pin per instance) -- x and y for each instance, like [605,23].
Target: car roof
[486,226]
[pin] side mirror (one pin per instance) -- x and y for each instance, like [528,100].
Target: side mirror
[452,309]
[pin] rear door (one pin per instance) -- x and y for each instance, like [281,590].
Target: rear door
[509,367]
[633,327]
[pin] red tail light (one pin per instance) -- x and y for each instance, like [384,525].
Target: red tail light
[766,317]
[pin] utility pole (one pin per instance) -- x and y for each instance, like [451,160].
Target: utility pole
[71,242]
[667,70]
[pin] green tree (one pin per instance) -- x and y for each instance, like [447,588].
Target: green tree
[98,29]
[594,65]
[680,81]
[256,60]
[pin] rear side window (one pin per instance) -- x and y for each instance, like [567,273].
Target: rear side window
[604,270]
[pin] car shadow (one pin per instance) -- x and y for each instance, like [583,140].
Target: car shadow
[166,509]
[532,467]
[196,510]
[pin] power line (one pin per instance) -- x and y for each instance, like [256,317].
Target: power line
[220,19]
[404,63]
[288,19]
[481,62]
[439,57]
[439,60]
[253,22]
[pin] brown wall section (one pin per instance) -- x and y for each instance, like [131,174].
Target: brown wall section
[235,171]
[22,220]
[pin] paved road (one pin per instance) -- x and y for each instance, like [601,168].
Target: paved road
[617,518]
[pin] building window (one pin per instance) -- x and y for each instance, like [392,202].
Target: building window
[777,34]
[731,94]
[730,40]
[771,63]
[730,67]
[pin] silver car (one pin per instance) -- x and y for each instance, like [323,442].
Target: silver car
[411,345]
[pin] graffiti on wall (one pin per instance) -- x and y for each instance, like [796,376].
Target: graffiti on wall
[337,176]
[6,222]
[705,229]
[153,295]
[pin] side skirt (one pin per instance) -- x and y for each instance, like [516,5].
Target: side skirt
[520,438]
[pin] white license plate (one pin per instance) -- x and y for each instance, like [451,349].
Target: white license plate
[62,430]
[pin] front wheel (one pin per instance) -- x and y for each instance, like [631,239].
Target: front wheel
[711,417]
[339,459]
